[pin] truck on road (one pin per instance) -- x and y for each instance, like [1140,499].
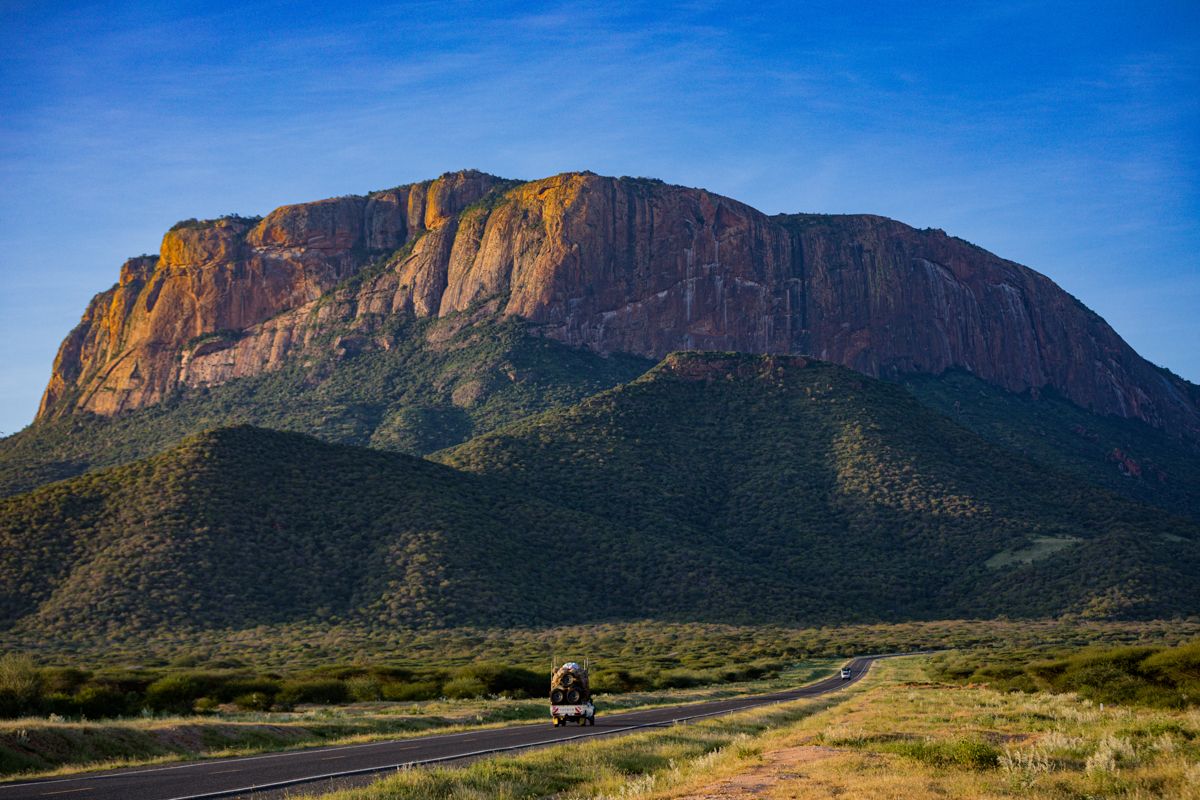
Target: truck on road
[570,695]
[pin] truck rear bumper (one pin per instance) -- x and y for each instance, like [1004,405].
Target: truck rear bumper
[573,712]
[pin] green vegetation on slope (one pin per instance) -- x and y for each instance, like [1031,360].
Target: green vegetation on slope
[438,383]
[717,488]
[814,493]
[243,526]
[1123,455]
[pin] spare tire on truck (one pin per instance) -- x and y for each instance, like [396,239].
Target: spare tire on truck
[570,695]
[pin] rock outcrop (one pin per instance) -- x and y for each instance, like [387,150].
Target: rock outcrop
[609,264]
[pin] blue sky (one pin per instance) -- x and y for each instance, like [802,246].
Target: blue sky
[1065,138]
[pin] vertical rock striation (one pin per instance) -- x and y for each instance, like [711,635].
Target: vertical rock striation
[609,264]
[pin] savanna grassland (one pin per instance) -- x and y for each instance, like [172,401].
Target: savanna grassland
[897,730]
[895,734]
[731,521]
[68,714]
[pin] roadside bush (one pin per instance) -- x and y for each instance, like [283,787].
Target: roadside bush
[20,686]
[464,688]
[966,752]
[974,753]
[407,692]
[125,681]
[1005,678]
[206,705]
[751,672]
[497,678]
[98,702]
[232,689]
[61,704]
[617,681]
[364,690]
[386,674]
[173,695]
[63,679]
[681,679]
[328,692]
[1179,666]
[92,702]
[1125,675]
[254,701]
[1145,676]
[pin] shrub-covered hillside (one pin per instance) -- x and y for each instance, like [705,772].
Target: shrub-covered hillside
[243,526]
[1126,456]
[718,488]
[811,491]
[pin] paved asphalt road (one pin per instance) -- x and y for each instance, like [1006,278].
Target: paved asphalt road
[252,774]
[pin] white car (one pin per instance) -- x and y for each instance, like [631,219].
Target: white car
[845,673]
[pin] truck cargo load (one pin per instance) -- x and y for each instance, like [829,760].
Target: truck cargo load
[571,695]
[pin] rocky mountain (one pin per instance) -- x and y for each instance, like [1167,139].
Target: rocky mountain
[716,488]
[613,265]
[439,382]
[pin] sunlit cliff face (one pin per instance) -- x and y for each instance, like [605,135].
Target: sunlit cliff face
[630,265]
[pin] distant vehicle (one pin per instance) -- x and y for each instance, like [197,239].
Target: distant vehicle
[845,673]
[570,695]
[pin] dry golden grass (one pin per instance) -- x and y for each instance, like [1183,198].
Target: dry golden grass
[929,742]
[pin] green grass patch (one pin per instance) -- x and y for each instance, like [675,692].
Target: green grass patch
[1040,547]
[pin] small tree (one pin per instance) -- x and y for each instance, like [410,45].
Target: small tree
[173,695]
[20,686]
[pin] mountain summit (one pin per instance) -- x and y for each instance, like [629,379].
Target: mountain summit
[613,265]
